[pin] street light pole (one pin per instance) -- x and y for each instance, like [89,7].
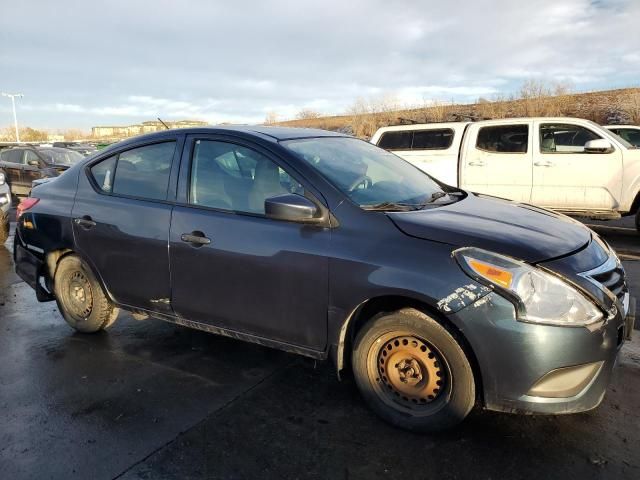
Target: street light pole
[13,104]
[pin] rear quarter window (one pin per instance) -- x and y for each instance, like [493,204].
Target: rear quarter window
[102,173]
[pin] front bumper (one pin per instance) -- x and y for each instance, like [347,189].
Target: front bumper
[514,357]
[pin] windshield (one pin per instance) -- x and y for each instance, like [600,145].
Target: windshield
[61,156]
[368,175]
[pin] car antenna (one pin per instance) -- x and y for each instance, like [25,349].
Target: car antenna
[165,125]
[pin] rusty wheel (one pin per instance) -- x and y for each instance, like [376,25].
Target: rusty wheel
[409,372]
[413,372]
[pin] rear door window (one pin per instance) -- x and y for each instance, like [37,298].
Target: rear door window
[144,171]
[140,172]
[503,139]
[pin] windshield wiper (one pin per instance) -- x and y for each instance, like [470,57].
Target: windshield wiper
[392,207]
[437,195]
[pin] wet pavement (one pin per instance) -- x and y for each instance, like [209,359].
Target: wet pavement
[151,400]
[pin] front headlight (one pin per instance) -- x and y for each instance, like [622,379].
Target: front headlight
[2,180]
[539,296]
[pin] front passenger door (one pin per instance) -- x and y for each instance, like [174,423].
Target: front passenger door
[566,177]
[247,273]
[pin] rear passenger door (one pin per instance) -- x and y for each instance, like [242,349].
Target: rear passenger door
[497,160]
[231,266]
[121,220]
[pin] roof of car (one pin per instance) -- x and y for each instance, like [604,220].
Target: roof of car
[268,133]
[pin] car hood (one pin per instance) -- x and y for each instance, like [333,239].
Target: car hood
[519,230]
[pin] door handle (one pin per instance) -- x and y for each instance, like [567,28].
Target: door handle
[84,222]
[476,163]
[543,163]
[195,238]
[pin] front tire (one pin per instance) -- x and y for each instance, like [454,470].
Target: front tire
[412,372]
[638,220]
[80,298]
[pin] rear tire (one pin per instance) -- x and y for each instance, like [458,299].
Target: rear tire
[80,298]
[412,372]
[638,220]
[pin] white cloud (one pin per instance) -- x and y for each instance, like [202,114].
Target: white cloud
[230,61]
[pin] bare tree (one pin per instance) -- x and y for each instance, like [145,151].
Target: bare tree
[271,118]
[307,113]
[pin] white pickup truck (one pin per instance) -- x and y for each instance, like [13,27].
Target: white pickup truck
[567,164]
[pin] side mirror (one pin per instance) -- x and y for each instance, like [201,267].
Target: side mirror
[33,163]
[598,146]
[291,207]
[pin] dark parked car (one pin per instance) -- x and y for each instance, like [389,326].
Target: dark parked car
[22,165]
[85,149]
[324,245]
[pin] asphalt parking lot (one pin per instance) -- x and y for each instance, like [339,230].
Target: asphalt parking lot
[152,400]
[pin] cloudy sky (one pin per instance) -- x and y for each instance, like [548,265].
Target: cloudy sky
[84,63]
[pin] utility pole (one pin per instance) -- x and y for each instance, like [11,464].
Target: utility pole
[13,103]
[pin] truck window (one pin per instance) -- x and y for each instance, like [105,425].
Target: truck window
[440,139]
[564,138]
[503,139]
[396,140]
[437,139]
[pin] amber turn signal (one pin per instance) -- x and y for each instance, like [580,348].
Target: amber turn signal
[492,273]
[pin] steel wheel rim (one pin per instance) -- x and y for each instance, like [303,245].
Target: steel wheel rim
[409,374]
[79,296]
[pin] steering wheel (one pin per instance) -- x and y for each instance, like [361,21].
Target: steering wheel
[362,179]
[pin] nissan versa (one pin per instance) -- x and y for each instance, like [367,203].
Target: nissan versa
[325,245]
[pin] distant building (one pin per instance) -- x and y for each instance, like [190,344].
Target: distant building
[140,128]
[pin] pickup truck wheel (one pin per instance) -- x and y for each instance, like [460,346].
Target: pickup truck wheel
[80,297]
[412,372]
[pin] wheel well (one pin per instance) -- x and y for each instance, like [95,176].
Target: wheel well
[375,307]
[53,258]
[635,205]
